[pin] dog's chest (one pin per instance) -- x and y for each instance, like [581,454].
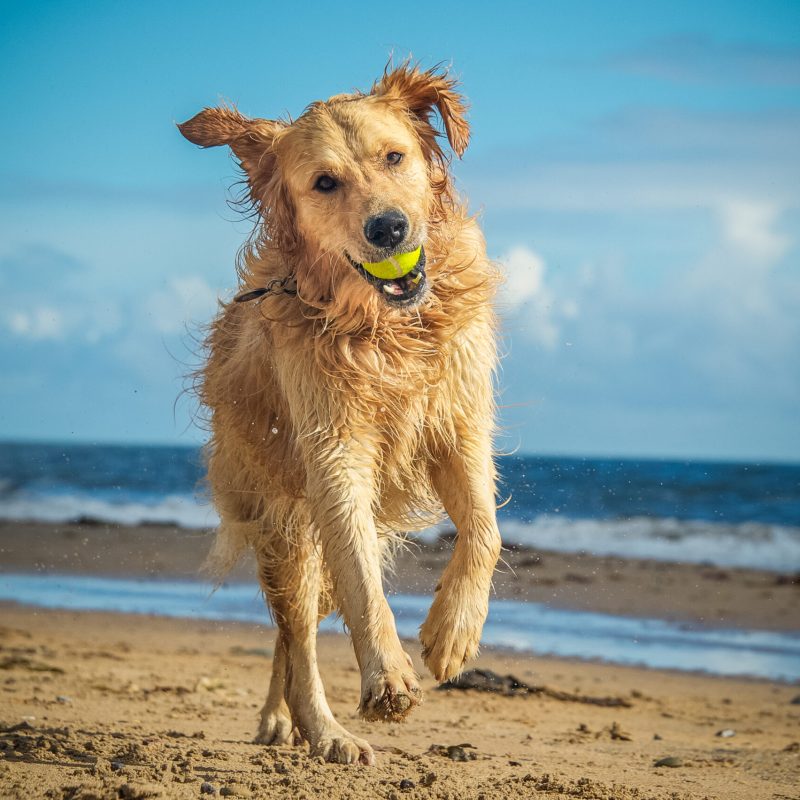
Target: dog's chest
[399,391]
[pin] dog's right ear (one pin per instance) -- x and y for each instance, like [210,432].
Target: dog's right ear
[251,141]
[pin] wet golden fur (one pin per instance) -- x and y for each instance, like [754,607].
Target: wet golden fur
[339,421]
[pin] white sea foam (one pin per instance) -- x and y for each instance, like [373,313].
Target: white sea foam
[747,544]
[185,511]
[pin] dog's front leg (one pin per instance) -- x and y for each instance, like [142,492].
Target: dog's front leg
[341,487]
[464,479]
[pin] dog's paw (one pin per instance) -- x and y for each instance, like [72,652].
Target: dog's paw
[340,747]
[451,634]
[390,694]
[276,729]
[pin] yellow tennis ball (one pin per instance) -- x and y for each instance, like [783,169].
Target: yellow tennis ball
[395,266]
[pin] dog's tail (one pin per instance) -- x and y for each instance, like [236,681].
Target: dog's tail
[231,541]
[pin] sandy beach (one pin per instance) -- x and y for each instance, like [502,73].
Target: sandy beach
[103,706]
[98,705]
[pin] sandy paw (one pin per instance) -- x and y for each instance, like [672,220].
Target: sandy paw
[341,747]
[275,729]
[450,637]
[390,695]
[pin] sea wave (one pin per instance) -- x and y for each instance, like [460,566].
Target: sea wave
[748,544]
[182,510]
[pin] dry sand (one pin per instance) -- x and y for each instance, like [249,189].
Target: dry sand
[108,706]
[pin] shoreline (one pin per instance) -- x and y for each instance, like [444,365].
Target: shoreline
[640,588]
[513,627]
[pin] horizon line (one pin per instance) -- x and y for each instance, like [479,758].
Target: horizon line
[587,456]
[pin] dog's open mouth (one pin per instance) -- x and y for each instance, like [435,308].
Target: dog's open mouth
[399,291]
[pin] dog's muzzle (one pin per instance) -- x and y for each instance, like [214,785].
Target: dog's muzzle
[400,279]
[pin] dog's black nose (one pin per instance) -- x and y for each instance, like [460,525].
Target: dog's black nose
[387,229]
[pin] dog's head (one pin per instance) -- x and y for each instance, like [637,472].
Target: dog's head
[354,183]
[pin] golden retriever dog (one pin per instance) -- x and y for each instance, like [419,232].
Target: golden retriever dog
[347,409]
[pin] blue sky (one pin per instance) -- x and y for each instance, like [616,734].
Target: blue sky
[636,166]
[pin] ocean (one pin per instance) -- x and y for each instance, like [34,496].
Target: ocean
[728,514]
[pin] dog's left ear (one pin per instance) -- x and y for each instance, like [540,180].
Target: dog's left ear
[422,92]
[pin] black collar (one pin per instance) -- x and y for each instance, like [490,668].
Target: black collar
[276,286]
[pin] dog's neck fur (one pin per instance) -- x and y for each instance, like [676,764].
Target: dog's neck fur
[357,319]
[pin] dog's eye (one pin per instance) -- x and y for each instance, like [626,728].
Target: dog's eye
[325,184]
[394,158]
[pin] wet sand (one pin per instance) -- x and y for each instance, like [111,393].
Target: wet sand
[646,588]
[108,706]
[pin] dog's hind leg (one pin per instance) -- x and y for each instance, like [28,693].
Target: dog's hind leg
[275,726]
[290,570]
[465,481]
[233,536]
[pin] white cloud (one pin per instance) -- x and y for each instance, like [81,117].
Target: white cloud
[750,226]
[85,311]
[39,324]
[716,330]
[185,299]
[524,276]
[528,298]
